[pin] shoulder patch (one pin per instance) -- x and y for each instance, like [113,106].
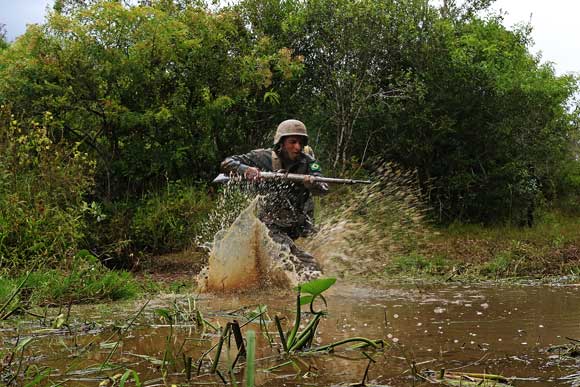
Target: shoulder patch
[314,167]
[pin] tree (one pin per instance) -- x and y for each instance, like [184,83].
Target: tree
[351,62]
[145,88]
[490,128]
[3,41]
[443,91]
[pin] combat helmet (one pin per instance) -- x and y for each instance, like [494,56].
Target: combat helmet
[290,128]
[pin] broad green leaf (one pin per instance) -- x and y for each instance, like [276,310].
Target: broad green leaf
[59,321]
[317,286]
[129,374]
[305,300]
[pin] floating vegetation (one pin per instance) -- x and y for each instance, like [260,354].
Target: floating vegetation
[568,350]
[466,379]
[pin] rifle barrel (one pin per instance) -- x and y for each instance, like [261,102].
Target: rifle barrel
[222,178]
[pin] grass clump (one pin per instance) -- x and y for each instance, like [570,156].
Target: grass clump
[548,248]
[85,281]
[499,266]
[416,264]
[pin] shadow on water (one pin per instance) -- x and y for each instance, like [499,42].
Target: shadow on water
[513,331]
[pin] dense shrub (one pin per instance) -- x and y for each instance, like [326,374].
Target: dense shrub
[42,186]
[168,221]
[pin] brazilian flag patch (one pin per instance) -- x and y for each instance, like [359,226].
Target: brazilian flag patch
[315,167]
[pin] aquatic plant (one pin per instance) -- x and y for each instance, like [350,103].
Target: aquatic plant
[250,358]
[293,341]
[568,350]
[298,341]
[466,379]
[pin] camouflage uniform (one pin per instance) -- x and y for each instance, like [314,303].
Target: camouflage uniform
[285,209]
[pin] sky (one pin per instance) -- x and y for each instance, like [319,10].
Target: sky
[556,27]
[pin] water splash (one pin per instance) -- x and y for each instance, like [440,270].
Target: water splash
[232,199]
[360,232]
[371,225]
[244,257]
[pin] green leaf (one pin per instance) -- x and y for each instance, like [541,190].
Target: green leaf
[317,286]
[59,321]
[258,311]
[128,374]
[272,97]
[22,344]
[251,358]
[39,377]
[150,359]
[164,314]
[108,344]
[305,300]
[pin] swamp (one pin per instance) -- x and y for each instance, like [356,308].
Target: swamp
[526,332]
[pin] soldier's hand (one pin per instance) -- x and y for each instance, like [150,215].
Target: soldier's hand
[252,173]
[309,181]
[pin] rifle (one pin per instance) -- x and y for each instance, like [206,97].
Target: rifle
[296,177]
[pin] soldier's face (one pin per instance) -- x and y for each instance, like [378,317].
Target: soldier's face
[292,146]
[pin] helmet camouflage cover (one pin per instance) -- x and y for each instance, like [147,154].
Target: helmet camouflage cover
[290,128]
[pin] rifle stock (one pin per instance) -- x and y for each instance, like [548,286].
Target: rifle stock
[296,177]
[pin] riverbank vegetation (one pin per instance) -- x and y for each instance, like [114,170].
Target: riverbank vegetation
[115,116]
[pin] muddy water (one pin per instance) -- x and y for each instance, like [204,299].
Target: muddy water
[503,330]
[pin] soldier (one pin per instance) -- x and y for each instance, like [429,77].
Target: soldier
[286,209]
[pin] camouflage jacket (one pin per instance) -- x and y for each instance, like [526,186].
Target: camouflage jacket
[287,205]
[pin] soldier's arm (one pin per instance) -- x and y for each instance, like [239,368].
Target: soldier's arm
[239,164]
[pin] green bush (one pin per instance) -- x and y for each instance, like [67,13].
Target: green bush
[42,185]
[168,221]
[110,239]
